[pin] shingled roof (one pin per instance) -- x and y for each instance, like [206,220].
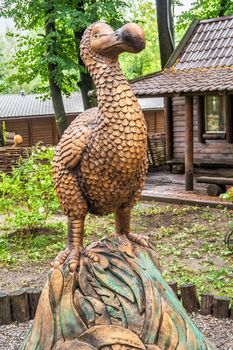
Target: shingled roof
[202,62]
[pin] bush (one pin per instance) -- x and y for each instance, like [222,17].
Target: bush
[27,195]
[228,195]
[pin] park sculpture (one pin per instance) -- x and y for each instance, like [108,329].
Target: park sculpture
[110,295]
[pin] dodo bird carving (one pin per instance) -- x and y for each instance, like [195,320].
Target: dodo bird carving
[100,162]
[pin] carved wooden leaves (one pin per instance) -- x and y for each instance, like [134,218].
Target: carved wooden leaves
[119,303]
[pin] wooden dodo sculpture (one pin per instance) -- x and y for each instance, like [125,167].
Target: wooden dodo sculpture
[100,162]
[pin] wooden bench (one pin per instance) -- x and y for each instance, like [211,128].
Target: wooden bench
[205,164]
[216,185]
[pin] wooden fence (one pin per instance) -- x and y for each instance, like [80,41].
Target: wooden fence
[21,305]
[156,149]
[9,157]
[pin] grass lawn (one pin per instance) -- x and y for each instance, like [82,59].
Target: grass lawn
[188,240]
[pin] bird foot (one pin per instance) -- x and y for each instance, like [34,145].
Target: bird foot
[70,255]
[138,239]
[91,255]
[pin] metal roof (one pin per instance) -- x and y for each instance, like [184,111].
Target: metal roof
[16,105]
[202,62]
[151,103]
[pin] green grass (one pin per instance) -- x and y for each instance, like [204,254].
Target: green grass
[189,243]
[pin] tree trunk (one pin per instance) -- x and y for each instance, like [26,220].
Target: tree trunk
[223,7]
[55,89]
[165,29]
[1,134]
[85,83]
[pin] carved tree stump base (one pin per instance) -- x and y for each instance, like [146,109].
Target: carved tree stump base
[119,303]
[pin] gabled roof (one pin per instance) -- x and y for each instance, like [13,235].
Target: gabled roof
[18,106]
[202,62]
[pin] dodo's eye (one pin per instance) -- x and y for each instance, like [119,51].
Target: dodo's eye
[96,35]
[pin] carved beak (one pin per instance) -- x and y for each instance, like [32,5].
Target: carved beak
[129,38]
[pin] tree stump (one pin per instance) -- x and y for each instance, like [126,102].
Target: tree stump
[174,286]
[215,190]
[120,301]
[33,298]
[207,304]
[189,297]
[5,308]
[19,306]
[221,307]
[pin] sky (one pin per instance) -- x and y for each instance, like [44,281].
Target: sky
[8,24]
[186,6]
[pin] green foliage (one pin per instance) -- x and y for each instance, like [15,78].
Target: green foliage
[32,57]
[204,9]
[38,246]
[228,195]
[144,14]
[27,195]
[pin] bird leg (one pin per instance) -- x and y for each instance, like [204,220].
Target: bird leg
[122,224]
[74,245]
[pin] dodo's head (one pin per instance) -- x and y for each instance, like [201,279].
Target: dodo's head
[101,42]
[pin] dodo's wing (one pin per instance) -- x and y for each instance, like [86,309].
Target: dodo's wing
[76,138]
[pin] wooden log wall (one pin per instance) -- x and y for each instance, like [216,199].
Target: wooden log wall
[213,150]
[21,305]
[155,121]
[36,129]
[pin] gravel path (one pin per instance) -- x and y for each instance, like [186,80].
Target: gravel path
[220,332]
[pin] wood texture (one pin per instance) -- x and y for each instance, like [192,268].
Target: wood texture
[9,156]
[189,297]
[100,163]
[211,150]
[200,100]
[221,307]
[33,295]
[5,308]
[174,286]
[207,304]
[215,190]
[122,301]
[188,143]
[215,180]
[168,112]
[19,306]
[36,129]
[229,118]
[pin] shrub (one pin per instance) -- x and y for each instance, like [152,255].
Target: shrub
[27,196]
[228,195]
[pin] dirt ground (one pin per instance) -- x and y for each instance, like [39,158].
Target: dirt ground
[188,241]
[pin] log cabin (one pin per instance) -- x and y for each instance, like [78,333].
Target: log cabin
[33,118]
[197,86]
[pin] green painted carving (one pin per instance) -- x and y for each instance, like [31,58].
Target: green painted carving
[120,302]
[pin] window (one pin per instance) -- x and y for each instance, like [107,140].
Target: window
[215,114]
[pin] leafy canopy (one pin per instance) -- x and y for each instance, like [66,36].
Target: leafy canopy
[31,58]
[204,9]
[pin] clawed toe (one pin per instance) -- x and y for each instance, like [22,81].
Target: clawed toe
[61,258]
[91,255]
[73,259]
[138,239]
[72,256]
